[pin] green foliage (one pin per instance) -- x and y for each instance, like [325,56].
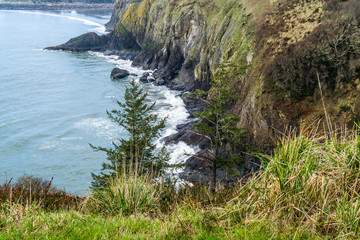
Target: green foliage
[308,190]
[136,154]
[126,194]
[217,124]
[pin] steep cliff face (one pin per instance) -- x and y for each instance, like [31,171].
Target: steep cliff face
[185,39]
[286,45]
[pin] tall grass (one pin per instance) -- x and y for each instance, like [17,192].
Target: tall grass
[308,189]
[126,194]
[308,181]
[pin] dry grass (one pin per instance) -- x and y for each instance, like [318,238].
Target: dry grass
[28,190]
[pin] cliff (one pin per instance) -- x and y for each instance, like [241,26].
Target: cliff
[285,45]
[291,50]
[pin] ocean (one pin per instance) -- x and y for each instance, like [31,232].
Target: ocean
[53,103]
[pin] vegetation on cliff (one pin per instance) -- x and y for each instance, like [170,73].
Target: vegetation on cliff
[286,43]
[219,127]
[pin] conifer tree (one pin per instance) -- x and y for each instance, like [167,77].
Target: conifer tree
[136,153]
[218,125]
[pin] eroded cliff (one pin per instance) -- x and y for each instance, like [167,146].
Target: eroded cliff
[291,50]
[285,44]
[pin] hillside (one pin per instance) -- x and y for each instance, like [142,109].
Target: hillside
[289,50]
[285,45]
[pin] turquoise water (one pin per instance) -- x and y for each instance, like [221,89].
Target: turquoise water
[52,104]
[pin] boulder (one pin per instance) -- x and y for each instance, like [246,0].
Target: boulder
[186,134]
[118,73]
[143,79]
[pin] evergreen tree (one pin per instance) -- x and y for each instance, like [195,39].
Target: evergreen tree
[218,125]
[136,153]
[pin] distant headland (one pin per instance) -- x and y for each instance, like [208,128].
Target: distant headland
[53,6]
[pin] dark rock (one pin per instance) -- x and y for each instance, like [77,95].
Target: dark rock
[143,79]
[133,74]
[86,42]
[183,126]
[118,73]
[160,81]
[178,87]
[187,135]
[151,79]
[123,42]
[197,169]
[124,45]
[192,105]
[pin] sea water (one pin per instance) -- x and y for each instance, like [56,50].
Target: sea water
[53,103]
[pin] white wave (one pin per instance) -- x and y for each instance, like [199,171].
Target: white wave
[180,152]
[100,28]
[48,145]
[120,63]
[106,16]
[71,138]
[175,111]
[102,127]
[109,95]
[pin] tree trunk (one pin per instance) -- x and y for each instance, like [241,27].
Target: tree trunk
[213,178]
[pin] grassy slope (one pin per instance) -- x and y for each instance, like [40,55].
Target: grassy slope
[184,224]
[308,189]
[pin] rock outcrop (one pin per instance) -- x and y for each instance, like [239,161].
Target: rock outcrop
[122,44]
[86,42]
[118,73]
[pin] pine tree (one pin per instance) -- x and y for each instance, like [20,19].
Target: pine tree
[136,153]
[218,125]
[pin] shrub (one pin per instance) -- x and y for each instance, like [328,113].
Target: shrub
[29,189]
[126,194]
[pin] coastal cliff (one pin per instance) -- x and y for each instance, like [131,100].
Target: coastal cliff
[297,55]
[285,46]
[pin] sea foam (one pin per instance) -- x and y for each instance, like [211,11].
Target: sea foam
[168,104]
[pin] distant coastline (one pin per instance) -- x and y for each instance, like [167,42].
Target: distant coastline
[53,6]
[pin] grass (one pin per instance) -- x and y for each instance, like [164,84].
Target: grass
[125,194]
[186,223]
[308,189]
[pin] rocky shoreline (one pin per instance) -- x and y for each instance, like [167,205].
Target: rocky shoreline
[126,47]
[55,6]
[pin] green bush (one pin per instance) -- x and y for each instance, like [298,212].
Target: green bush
[126,194]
